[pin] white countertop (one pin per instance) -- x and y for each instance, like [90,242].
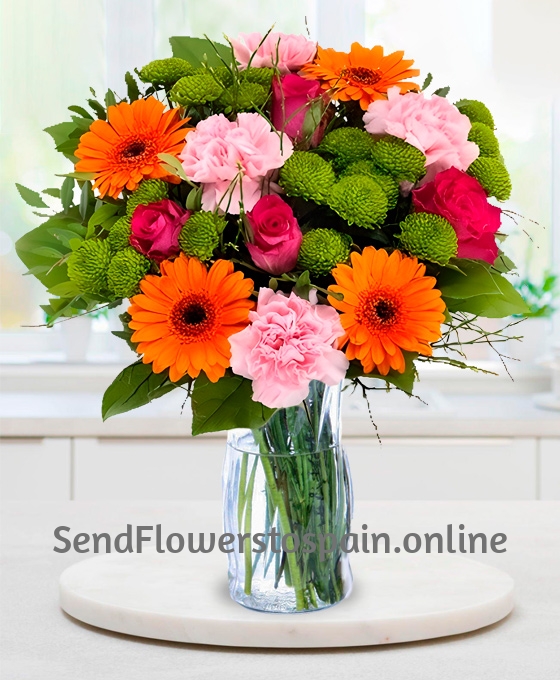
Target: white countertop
[78,414]
[39,642]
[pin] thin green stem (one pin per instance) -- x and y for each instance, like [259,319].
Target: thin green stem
[247,554]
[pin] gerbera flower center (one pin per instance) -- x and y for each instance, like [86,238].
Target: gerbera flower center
[193,318]
[135,148]
[361,75]
[380,309]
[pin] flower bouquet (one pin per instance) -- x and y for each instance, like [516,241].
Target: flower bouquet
[281,217]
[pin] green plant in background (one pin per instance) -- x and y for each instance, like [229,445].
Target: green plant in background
[541,298]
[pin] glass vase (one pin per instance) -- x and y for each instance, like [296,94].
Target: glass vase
[287,504]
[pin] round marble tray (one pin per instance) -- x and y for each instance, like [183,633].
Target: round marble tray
[184,598]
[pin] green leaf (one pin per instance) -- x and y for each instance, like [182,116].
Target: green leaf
[31,197]
[98,109]
[442,91]
[135,386]
[102,214]
[67,193]
[80,176]
[86,200]
[427,82]
[199,51]
[173,165]
[61,132]
[225,404]
[110,99]
[471,278]
[303,285]
[488,306]
[81,111]
[132,87]
[194,199]
[65,289]
[55,193]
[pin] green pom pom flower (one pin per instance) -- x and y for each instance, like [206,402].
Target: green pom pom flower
[399,159]
[128,267]
[493,176]
[201,234]
[248,96]
[307,175]
[386,182]
[260,76]
[485,139]
[149,191]
[165,71]
[347,145]
[323,249]
[195,90]
[476,112]
[359,200]
[119,235]
[429,237]
[88,265]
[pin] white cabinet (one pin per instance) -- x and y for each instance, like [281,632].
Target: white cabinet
[148,469]
[444,469]
[35,469]
[549,472]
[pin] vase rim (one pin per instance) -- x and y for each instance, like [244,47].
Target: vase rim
[288,454]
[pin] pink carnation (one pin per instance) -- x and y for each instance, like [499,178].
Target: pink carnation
[287,52]
[289,343]
[432,125]
[232,159]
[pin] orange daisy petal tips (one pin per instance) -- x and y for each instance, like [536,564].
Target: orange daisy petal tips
[123,151]
[363,74]
[182,319]
[389,305]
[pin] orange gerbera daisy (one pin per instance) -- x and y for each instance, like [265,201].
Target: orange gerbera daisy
[123,151]
[183,318]
[363,75]
[389,305]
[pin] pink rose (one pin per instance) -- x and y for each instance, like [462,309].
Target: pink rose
[289,343]
[434,126]
[233,160]
[292,112]
[286,52]
[156,228]
[462,201]
[276,235]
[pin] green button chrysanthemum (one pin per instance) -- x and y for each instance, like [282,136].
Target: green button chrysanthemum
[389,185]
[429,237]
[149,191]
[323,249]
[359,200]
[165,71]
[307,175]
[119,236]
[195,90]
[247,97]
[201,234]
[88,265]
[399,159]
[476,112]
[128,267]
[346,146]
[261,76]
[493,176]
[484,137]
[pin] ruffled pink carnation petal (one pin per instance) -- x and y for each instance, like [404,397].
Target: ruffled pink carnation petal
[219,152]
[289,343]
[433,125]
[287,52]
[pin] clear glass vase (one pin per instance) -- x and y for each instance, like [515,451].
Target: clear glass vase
[288,503]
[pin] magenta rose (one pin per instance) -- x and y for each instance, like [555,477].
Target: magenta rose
[156,228]
[462,201]
[276,235]
[291,109]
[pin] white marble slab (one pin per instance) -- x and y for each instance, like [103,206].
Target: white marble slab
[184,598]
